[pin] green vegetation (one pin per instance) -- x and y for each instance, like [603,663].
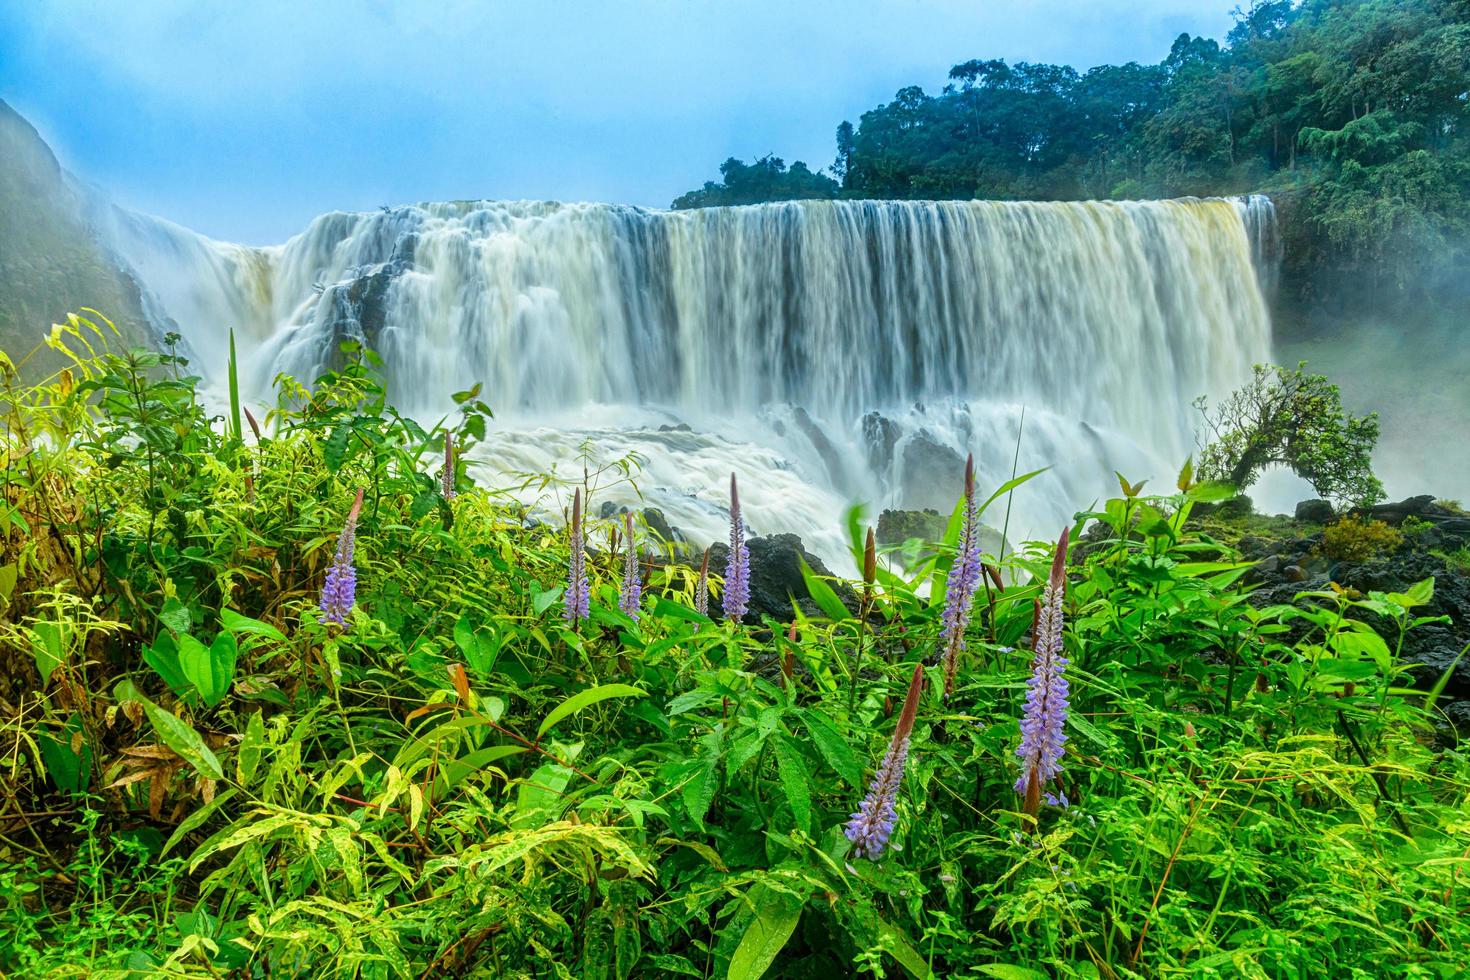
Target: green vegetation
[1352,112]
[1355,539]
[1290,418]
[767,179]
[203,778]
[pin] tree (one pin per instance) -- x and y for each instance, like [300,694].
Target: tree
[1286,417]
[767,179]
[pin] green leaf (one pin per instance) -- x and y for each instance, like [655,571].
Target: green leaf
[163,656]
[251,745]
[1211,492]
[210,669]
[901,948]
[822,594]
[582,699]
[1006,971]
[667,608]
[237,624]
[542,601]
[423,503]
[795,781]
[234,389]
[176,616]
[699,792]
[177,735]
[196,819]
[776,916]
[334,452]
[456,770]
[541,796]
[48,648]
[69,769]
[833,747]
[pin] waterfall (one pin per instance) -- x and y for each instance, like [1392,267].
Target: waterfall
[843,350]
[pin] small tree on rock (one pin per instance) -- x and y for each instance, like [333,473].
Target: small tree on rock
[1290,418]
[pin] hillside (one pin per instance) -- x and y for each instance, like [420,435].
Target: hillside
[49,263]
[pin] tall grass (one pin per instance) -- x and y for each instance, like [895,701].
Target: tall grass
[203,778]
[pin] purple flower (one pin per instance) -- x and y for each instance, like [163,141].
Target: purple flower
[737,569]
[701,590]
[632,590]
[872,824]
[339,591]
[449,492]
[964,579]
[1042,727]
[579,590]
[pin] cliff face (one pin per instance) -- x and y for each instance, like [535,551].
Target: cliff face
[50,264]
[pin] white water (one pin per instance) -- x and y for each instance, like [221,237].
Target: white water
[758,326]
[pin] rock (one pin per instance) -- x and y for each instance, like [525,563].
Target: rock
[1423,507]
[897,526]
[1294,565]
[681,427]
[1254,547]
[880,435]
[931,474]
[653,519]
[658,524]
[775,578]
[1237,506]
[831,458]
[1315,512]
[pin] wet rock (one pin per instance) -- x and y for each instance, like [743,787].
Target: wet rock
[931,474]
[880,435]
[1316,512]
[1431,648]
[897,526]
[653,519]
[775,578]
[831,458]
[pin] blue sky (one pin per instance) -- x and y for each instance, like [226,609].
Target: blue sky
[243,120]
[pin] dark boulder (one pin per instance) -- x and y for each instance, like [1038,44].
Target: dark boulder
[1316,512]
[931,474]
[1295,565]
[776,580]
[897,526]
[653,519]
[880,435]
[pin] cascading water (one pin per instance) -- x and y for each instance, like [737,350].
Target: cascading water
[828,351]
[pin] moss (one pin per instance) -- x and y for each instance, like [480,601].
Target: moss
[1351,539]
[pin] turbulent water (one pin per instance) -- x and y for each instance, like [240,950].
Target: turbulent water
[828,351]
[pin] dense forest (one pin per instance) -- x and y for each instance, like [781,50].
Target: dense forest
[1352,113]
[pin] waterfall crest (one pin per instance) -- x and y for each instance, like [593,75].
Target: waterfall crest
[836,333]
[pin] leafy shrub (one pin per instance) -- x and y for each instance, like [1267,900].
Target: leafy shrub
[203,778]
[1355,539]
[1294,419]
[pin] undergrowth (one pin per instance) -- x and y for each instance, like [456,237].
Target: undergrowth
[202,778]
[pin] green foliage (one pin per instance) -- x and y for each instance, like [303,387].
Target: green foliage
[1290,418]
[766,179]
[201,778]
[1354,539]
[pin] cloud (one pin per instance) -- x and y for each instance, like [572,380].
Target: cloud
[245,118]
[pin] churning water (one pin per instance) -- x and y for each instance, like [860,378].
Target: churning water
[829,352]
